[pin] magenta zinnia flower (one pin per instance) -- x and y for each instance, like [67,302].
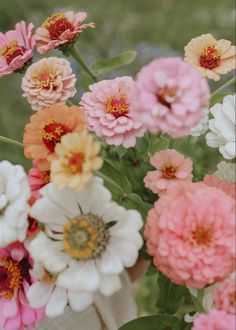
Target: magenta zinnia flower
[171,167]
[170,96]
[59,29]
[16,48]
[107,108]
[15,281]
[191,234]
[215,320]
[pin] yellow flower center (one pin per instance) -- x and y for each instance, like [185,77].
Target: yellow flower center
[85,237]
[168,172]
[11,50]
[167,95]
[117,106]
[210,58]
[75,163]
[45,76]
[10,278]
[56,25]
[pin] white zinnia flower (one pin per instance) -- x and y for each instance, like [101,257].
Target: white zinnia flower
[226,171]
[46,293]
[94,238]
[222,127]
[14,194]
[201,127]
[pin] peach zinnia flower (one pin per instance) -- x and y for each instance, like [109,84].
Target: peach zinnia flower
[191,234]
[47,82]
[59,29]
[77,160]
[210,56]
[171,167]
[16,48]
[224,296]
[48,126]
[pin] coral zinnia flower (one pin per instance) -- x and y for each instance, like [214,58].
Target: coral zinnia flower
[16,48]
[59,29]
[107,108]
[38,177]
[224,296]
[227,187]
[15,281]
[170,96]
[48,82]
[211,57]
[215,320]
[191,234]
[171,167]
[77,160]
[47,127]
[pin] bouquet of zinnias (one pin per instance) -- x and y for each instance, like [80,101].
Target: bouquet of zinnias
[128,156]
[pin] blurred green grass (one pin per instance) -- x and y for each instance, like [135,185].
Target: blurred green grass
[151,27]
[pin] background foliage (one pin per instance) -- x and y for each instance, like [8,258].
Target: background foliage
[153,28]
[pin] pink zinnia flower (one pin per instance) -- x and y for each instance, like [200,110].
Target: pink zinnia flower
[15,281]
[191,234]
[59,29]
[227,187]
[170,96]
[47,82]
[38,177]
[215,320]
[171,167]
[107,108]
[224,296]
[16,48]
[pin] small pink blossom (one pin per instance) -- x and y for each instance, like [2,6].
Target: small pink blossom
[191,234]
[16,48]
[15,281]
[50,81]
[227,187]
[38,178]
[215,320]
[170,96]
[59,29]
[224,296]
[107,109]
[171,167]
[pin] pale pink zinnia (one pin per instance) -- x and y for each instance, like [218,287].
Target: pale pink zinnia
[191,234]
[215,320]
[227,187]
[16,48]
[108,111]
[171,167]
[59,29]
[47,82]
[224,296]
[15,281]
[170,96]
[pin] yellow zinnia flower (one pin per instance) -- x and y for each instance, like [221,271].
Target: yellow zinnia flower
[211,57]
[77,160]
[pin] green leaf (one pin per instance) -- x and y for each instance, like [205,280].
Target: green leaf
[182,325]
[170,295]
[109,64]
[218,98]
[157,143]
[157,322]
[134,201]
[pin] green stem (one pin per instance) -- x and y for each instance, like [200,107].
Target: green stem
[10,141]
[106,178]
[228,83]
[69,102]
[77,56]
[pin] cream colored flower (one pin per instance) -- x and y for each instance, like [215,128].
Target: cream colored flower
[77,160]
[211,57]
